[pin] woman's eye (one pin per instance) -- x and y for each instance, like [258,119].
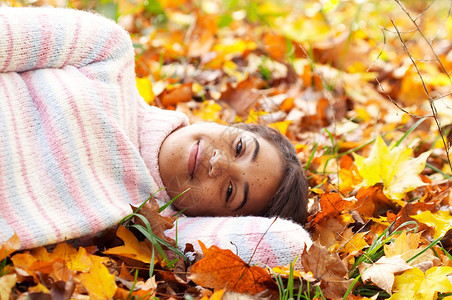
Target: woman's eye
[238,149]
[229,191]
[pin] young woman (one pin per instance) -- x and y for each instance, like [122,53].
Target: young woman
[78,145]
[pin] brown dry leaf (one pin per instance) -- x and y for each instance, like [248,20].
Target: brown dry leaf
[242,97]
[331,204]
[328,269]
[382,272]
[222,269]
[159,223]
[132,248]
[10,246]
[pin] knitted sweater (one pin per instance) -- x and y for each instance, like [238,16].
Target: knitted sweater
[78,144]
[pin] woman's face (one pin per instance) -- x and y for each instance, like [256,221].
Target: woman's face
[229,171]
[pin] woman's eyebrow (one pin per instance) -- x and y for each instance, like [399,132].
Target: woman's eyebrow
[256,149]
[245,196]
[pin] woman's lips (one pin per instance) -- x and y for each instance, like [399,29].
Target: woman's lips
[194,158]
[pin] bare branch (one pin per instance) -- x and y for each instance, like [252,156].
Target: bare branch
[423,36]
[430,100]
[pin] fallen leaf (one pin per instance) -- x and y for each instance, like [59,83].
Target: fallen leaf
[132,248]
[144,87]
[10,246]
[99,283]
[382,271]
[406,285]
[394,168]
[328,269]
[280,126]
[222,269]
[150,210]
[331,204]
[415,284]
[441,221]
[407,246]
[353,243]
[243,96]
[7,282]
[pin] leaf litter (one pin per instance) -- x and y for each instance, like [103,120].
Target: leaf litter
[361,89]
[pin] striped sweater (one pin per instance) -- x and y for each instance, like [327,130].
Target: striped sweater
[78,144]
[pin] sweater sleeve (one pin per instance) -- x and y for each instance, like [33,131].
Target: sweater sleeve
[280,245]
[37,38]
[69,159]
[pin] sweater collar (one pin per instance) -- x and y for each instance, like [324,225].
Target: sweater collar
[156,125]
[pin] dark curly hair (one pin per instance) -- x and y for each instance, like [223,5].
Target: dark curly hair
[291,198]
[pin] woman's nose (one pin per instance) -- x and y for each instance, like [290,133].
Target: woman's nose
[216,164]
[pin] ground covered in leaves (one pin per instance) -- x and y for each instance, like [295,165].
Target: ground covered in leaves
[362,88]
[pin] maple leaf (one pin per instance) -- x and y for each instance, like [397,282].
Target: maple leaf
[415,284]
[441,221]
[132,248]
[280,126]
[407,246]
[394,168]
[328,268]
[332,204]
[99,283]
[353,242]
[222,269]
[382,271]
[10,246]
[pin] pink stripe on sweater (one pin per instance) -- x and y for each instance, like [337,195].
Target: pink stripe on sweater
[10,48]
[21,231]
[74,41]
[47,41]
[110,44]
[86,206]
[61,157]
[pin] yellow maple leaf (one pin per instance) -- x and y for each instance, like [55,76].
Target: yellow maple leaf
[407,284]
[394,168]
[280,126]
[99,283]
[441,221]
[407,246]
[132,247]
[413,284]
[355,243]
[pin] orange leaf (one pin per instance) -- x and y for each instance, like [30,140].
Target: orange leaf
[222,269]
[182,93]
[132,247]
[10,246]
[332,204]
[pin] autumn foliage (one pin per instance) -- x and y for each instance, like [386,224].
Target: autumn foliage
[361,88]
